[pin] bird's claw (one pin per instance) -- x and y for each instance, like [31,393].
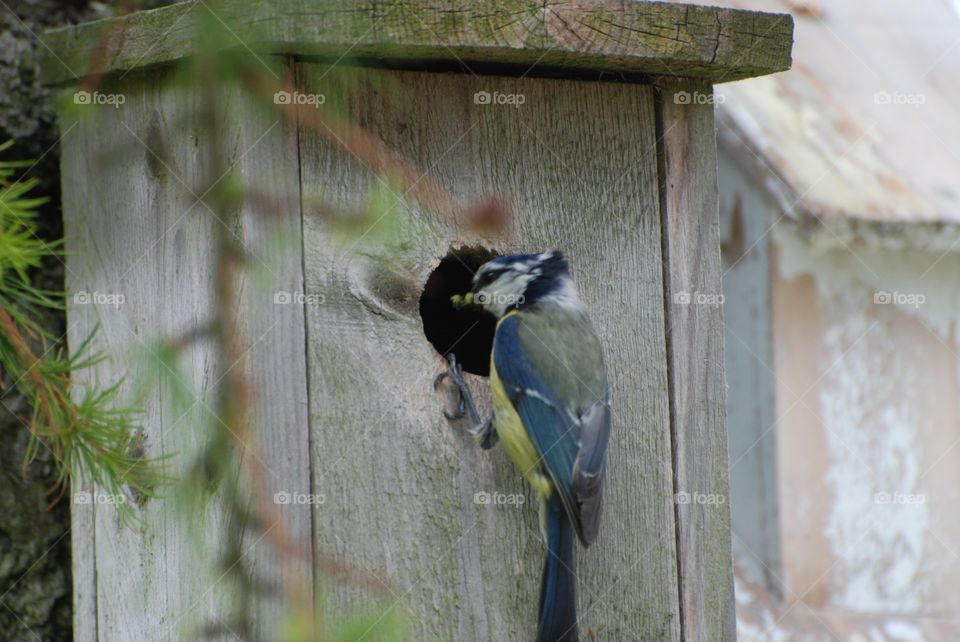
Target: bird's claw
[483,431]
[461,406]
[486,434]
[461,409]
[459,414]
[439,379]
[465,398]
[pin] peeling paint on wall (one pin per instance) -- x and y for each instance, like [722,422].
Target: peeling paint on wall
[877,516]
[884,398]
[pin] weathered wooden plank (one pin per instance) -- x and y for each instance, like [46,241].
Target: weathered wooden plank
[578,161]
[83,556]
[136,232]
[271,321]
[695,347]
[126,240]
[83,535]
[81,318]
[598,36]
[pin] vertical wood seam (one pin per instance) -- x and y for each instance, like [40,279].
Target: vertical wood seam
[668,345]
[290,64]
[96,573]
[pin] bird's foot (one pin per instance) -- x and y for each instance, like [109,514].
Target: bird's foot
[464,396]
[486,434]
[483,430]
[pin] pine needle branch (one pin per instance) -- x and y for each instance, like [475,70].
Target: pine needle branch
[92,436]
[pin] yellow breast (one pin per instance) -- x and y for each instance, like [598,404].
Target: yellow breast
[513,436]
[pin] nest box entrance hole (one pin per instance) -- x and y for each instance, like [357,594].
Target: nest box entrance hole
[467,333]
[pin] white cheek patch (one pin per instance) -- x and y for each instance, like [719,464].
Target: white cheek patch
[513,284]
[504,293]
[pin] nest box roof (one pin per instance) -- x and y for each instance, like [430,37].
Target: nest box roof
[864,133]
[591,37]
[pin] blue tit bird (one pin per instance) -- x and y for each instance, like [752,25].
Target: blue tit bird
[551,410]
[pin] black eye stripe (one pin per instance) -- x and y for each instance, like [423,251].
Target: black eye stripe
[489,276]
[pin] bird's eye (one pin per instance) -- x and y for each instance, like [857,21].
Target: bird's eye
[485,278]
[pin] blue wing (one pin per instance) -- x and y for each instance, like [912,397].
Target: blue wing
[570,440]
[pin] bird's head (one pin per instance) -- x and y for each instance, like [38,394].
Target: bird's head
[521,280]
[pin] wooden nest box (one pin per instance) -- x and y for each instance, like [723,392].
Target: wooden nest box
[593,120]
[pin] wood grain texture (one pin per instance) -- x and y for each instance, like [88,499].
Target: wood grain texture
[83,556]
[578,162]
[652,38]
[271,321]
[122,211]
[695,348]
[135,228]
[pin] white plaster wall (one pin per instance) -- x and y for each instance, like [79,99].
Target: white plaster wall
[868,426]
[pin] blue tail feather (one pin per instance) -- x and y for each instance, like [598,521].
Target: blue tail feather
[558,588]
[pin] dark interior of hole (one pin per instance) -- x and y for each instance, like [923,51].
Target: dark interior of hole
[467,333]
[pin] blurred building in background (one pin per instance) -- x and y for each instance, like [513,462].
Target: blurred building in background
[840,215]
